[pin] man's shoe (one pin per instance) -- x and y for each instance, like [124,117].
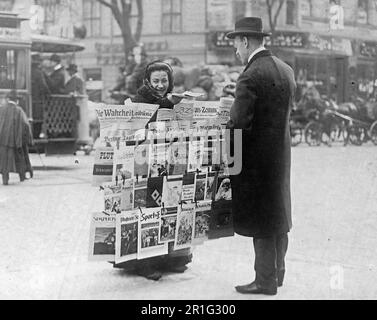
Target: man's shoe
[253,288]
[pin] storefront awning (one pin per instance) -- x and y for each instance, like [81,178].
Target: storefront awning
[43,43]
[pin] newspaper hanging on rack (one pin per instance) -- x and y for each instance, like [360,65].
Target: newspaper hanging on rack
[102,237]
[149,234]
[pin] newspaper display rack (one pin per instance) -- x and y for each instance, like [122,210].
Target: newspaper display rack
[161,182]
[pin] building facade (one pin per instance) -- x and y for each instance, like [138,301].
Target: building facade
[331,44]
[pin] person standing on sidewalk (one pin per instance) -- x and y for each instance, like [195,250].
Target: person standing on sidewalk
[158,84]
[15,136]
[261,192]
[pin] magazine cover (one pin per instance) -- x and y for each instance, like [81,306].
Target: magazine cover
[154,192]
[210,185]
[178,158]
[140,193]
[123,164]
[184,110]
[196,152]
[188,187]
[223,188]
[103,165]
[185,226]
[168,223]
[149,233]
[212,149]
[126,236]
[112,198]
[224,109]
[157,130]
[141,158]
[202,218]
[127,195]
[172,191]
[158,160]
[165,114]
[200,186]
[102,237]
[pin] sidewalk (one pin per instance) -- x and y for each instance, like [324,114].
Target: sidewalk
[332,251]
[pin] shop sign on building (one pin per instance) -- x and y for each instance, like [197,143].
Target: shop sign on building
[330,44]
[287,40]
[113,54]
[218,39]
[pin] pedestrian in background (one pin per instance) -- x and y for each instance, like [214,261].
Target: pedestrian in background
[56,80]
[135,80]
[39,93]
[15,136]
[261,192]
[75,84]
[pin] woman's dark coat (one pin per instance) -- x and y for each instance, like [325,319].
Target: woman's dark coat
[261,192]
[146,95]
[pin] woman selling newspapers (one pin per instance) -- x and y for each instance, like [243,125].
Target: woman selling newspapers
[157,88]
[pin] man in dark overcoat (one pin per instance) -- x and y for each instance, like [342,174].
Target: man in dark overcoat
[56,80]
[75,84]
[261,192]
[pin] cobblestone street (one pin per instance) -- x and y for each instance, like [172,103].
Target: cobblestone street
[332,252]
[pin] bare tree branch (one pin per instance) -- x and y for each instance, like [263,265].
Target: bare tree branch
[274,17]
[121,10]
[139,26]
[269,11]
[105,3]
[281,3]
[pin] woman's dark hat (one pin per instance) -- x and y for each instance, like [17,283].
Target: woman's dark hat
[250,26]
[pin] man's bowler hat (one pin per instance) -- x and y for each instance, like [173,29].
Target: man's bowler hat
[249,26]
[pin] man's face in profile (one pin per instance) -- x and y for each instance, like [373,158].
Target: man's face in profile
[240,44]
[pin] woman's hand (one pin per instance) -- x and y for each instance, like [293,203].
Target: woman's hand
[174,99]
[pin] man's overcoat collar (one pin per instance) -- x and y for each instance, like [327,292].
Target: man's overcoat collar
[264,53]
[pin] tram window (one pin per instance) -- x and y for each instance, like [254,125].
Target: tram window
[12,69]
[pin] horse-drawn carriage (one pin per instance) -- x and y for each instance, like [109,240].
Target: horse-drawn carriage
[317,120]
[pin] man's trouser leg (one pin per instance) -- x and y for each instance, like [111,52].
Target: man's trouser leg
[281,250]
[269,260]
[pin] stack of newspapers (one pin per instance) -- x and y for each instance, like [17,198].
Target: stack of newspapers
[160,182]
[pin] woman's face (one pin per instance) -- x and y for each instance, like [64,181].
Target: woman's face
[160,82]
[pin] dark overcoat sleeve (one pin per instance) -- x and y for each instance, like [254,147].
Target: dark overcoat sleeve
[242,111]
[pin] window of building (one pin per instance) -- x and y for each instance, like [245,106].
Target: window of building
[12,69]
[362,11]
[315,70]
[6,5]
[116,32]
[92,17]
[171,16]
[291,12]
[239,9]
[49,18]
[306,7]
